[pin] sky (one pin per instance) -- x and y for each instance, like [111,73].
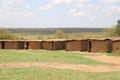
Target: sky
[59,13]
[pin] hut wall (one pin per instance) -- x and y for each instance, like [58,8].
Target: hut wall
[73,46]
[48,45]
[101,46]
[83,45]
[35,45]
[116,47]
[11,45]
[59,45]
[21,45]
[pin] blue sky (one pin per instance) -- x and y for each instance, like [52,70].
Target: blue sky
[59,13]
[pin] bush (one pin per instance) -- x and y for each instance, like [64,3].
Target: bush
[6,34]
[59,34]
[110,32]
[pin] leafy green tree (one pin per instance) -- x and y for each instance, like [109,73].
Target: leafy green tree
[118,28]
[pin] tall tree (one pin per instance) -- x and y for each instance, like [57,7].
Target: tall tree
[118,28]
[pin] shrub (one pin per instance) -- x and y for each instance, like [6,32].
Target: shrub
[59,34]
[110,32]
[6,34]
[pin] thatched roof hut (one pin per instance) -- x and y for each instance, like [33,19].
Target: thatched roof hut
[100,45]
[54,44]
[77,45]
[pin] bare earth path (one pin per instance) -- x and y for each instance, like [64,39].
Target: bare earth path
[106,59]
[81,67]
[84,68]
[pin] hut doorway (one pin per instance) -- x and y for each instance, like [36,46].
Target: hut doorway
[27,45]
[89,46]
[3,45]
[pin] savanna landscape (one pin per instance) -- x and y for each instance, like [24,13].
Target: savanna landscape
[59,39]
[60,64]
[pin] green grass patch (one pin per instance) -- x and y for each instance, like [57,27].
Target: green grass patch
[54,74]
[45,56]
[112,54]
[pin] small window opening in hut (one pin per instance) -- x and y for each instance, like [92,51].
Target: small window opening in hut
[3,45]
[89,46]
[27,45]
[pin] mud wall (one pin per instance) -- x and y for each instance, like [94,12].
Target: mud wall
[48,45]
[116,47]
[59,45]
[35,45]
[101,46]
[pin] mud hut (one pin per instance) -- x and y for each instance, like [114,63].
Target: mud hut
[100,45]
[54,44]
[9,44]
[34,45]
[77,45]
[116,46]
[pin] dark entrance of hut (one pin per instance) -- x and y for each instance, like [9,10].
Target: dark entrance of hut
[89,46]
[26,45]
[3,45]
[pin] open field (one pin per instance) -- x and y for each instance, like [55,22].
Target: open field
[54,74]
[31,36]
[45,56]
[49,33]
[58,65]
[52,30]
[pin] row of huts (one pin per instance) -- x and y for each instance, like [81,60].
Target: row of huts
[84,45]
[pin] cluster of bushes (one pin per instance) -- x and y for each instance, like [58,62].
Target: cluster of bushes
[6,34]
[114,31]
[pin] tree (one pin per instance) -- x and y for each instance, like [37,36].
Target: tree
[118,28]
[114,31]
[59,34]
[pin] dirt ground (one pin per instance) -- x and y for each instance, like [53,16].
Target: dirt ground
[106,59]
[86,68]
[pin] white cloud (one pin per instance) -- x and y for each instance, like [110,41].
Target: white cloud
[48,6]
[7,8]
[75,12]
[82,3]
[58,2]
[93,18]
[109,1]
[10,4]
[111,10]
[54,3]
[16,14]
